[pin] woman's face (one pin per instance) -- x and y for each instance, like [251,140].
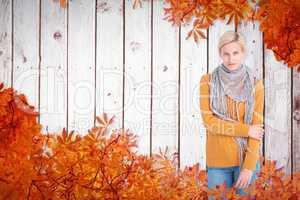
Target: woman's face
[232,55]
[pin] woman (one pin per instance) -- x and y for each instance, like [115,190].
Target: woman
[231,104]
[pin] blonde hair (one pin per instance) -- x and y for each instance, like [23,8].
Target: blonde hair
[231,36]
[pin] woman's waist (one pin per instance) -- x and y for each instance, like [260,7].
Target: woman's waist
[221,144]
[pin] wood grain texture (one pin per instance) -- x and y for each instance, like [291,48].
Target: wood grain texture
[6,42]
[109,60]
[53,107]
[26,49]
[296,121]
[165,123]
[81,65]
[277,112]
[137,88]
[192,131]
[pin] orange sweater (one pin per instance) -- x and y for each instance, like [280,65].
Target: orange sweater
[221,148]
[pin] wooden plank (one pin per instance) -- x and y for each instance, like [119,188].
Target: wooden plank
[81,67]
[277,112]
[53,108]
[296,120]
[254,50]
[138,73]
[165,123]
[254,55]
[5,42]
[110,60]
[215,31]
[26,49]
[192,131]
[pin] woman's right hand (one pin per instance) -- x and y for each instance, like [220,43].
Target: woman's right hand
[256,131]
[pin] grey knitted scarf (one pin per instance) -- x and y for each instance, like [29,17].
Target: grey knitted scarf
[239,85]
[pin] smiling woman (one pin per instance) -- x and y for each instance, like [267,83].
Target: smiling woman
[231,104]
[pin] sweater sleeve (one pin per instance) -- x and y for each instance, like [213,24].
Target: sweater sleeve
[213,123]
[252,153]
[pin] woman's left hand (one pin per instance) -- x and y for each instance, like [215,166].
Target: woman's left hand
[244,178]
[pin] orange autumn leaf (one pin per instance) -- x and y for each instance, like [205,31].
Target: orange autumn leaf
[20,144]
[236,10]
[104,165]
[281,31]
[205,13]
[67,138]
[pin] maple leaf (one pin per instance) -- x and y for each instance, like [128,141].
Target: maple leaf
[103,121]
[237,10]
[280,31]
[68,138]
[180,11]
[196,32]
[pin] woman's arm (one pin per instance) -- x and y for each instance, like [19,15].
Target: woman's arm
[214,124]
[252,154]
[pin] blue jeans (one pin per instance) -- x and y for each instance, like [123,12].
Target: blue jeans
[217,176]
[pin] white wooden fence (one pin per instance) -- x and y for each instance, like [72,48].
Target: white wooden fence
[92,57]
